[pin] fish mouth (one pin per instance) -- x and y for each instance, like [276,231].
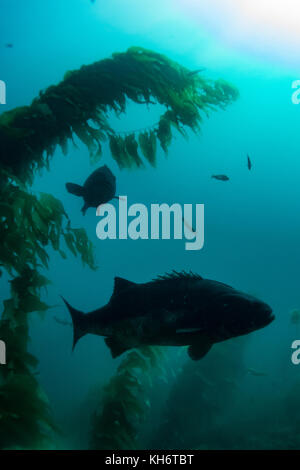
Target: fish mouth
[262,323]
[271,317]
[264,318]
[268,315]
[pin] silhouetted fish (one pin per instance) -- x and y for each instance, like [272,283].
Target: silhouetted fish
[220,177]
[9,45]
[249,163]
[62,322]
[256,373]
[194,72]
[177,309]
[99,188]
[295,316]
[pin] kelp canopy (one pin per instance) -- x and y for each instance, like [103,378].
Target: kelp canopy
[29,224]
[80,105]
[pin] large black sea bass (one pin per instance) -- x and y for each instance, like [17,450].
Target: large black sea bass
[178,309]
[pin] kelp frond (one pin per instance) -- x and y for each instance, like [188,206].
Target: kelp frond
[30,224]
[81,103]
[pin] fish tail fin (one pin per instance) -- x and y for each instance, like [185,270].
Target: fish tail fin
[75,189]
[79,325]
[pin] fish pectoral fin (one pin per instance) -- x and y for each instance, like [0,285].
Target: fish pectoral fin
[75,189]
[199,349]
[116,346]
[84,208]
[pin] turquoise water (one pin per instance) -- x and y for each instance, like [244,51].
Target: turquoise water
[252,222]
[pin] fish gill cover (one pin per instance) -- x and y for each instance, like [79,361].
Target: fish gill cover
[31,224]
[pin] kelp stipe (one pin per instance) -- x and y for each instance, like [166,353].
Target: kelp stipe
[25,419]
[29,224]
[124,405]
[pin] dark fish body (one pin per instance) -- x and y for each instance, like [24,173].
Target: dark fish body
[178,309]
[99,188]
[249,163]
[220,177]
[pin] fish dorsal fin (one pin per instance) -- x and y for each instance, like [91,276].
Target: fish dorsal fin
[108,173]
[175,275]
[122,284]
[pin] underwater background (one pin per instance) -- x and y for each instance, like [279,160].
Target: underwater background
[244,394]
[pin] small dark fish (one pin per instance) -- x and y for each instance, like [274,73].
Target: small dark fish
[220,177]
[62,322]
[9,45]
[295,316]
[249,163]
[177,309]
[99,188]
[256,373]
[195,72]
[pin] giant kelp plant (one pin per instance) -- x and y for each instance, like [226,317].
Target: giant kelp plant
[194,420]
[78,106]
[116,422]
[29,224]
